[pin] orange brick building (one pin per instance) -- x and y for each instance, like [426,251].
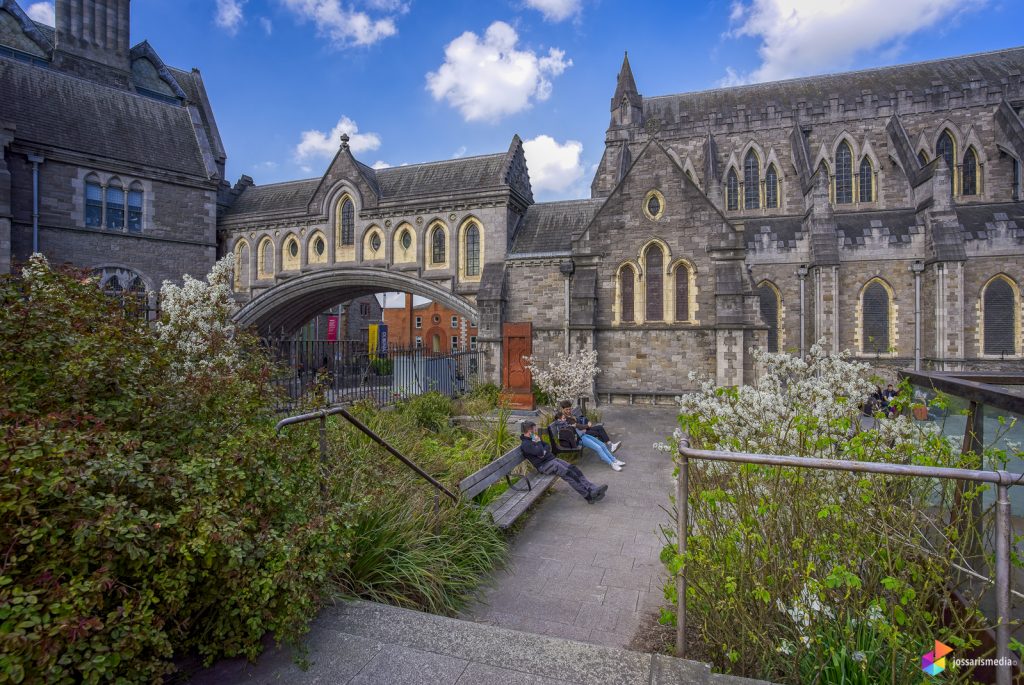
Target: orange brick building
[430,325]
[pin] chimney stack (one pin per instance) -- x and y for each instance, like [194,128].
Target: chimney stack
[95,30]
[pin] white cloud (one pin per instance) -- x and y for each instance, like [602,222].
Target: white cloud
[556,10]
[229,15]
[42,12]
[554,167]
[346,25]
[319,144]
[381,164]
[488,79]
[461,152]
[268,26]
[799,37]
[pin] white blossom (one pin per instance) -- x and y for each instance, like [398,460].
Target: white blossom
[197,323]
[566,377]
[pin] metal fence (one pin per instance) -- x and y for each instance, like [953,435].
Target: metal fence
[348,371]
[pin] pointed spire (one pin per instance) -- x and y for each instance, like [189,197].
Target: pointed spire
[625,86]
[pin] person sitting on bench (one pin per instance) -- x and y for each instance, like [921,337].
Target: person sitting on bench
[595,429]
[539,454]
[570,435]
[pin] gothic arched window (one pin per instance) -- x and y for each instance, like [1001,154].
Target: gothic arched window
[682,293]
[135,207]
[437,246]
[844,174]
[627,277]
[866,181]
[241,266]
[266,259]
[751,181]
[944,148]
[732,191]
[922,157]
[969,181]
[347,222]
[771,188]
[771,310]
[654,269]
[1000,312]
[115,205]
[876,321]
[472,250]
[93,202]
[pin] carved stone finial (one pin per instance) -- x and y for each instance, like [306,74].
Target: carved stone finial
[344,141]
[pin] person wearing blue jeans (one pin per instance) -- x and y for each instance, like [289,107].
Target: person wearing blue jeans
[568,425]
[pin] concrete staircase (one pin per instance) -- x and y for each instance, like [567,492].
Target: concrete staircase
[363,642]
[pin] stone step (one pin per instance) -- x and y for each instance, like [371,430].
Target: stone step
[363,642]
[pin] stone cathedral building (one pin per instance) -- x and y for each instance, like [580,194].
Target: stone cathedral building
[879,211]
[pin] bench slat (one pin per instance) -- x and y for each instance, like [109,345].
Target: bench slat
[473,485]
[510,510]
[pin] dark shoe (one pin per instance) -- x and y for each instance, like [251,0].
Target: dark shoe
[598,494]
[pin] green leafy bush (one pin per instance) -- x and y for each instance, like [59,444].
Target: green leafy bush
[803,576]
[148,508]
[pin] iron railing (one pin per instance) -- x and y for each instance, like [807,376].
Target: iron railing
[348,371]
[322,415]
[1002,479]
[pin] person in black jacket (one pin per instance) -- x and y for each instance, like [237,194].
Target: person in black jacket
[540,455]
[595,429]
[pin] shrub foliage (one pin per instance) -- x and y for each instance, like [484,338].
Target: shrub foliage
[148,509]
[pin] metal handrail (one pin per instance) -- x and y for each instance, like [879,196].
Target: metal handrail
[1002,479]
[322,415]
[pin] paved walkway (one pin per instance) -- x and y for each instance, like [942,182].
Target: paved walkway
[590,572]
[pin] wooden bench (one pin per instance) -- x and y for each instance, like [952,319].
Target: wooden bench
[513,502]
[555,448]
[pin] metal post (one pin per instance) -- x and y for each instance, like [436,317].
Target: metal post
[682,528]
[1004,671]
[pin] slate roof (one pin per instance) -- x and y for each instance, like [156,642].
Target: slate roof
[782,232]
[994,68]
[441,178]
[978,220]
[550,226]
[292,196]
[55,109]
[450,177]
[898,225]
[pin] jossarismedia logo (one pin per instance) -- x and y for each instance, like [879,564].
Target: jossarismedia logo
[934,663]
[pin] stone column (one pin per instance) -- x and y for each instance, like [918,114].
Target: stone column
[732,313]
[949,315]
[826,306]
[490,301]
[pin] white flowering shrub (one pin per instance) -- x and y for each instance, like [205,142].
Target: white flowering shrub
[801,576]
[196,322]
[565,377]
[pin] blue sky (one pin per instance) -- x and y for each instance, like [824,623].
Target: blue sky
[417,81]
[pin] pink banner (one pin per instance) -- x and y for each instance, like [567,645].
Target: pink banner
[332,328]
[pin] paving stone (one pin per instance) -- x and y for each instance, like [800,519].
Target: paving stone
[475,674]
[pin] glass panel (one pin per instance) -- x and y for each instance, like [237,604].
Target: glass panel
[1000,318]
[135,210]
[293,249]
[970,176]
[844,174]
[682,294]
[866,181]
[944,149]
[438,245]
[93,205]
[732,190]
[655,283]
[653,205]
[771,188]
[348,223]
[770,313]
[115,208]
[626,279]
[876,319]
[406,239]
[473,250]
[319,246]
[751,172]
